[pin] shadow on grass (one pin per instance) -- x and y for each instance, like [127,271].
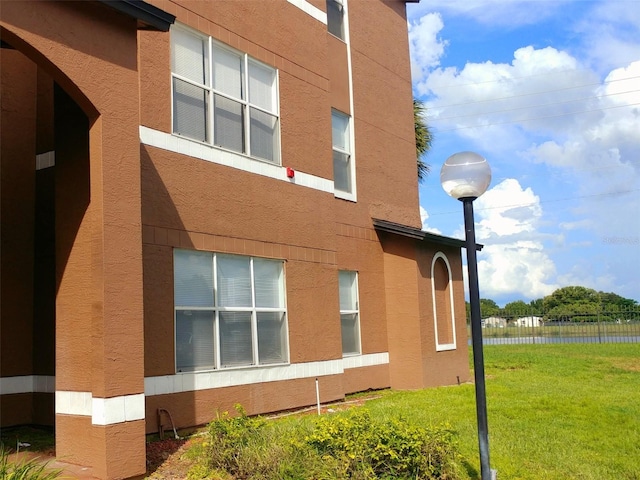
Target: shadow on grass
[28,438]
[471,470]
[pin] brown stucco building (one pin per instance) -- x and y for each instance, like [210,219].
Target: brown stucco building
[207,203]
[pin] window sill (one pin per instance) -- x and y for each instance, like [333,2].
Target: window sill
[232,369]
[444,348]
[351,197]
[226,150]
[204,151]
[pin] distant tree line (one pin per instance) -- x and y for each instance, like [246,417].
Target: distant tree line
[575,304]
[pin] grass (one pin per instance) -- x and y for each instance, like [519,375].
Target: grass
[25,469]
[558,411]
[555,411]
[40,439]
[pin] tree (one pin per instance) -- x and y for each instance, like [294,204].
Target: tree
[537,306]
[581,304]
[488,308]
[517,309]
[423,138]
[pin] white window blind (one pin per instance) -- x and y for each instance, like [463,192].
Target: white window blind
[229,311]
[238,110]
[190,56]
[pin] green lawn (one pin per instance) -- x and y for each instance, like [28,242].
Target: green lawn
[569,411]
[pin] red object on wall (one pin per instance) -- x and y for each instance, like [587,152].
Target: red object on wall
[291,172]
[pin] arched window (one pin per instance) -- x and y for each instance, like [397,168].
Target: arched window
[443,309]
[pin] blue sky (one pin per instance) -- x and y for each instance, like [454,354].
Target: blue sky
[549,93]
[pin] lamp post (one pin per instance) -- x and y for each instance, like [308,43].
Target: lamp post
[465,176]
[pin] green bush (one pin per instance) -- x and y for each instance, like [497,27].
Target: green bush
[350,445]
[32,469]
[369,448]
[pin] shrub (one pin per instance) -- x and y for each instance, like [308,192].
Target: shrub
[369,448]
[348,445]
[32,469]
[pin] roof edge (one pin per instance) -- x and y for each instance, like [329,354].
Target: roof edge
[147,15]
[417,234]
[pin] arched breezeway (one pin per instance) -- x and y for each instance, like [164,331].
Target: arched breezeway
[71,319]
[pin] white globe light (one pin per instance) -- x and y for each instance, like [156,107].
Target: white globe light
[465,175]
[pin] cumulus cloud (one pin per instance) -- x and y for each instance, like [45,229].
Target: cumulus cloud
[514,260]
[561,119]
[425,46]
[424,216]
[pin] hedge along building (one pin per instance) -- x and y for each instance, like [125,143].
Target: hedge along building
[211,203]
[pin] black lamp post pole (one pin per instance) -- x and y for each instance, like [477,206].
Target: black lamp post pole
[476,338]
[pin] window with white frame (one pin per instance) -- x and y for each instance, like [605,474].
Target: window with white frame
[335,18]
[349,312]
[342,162]
[229,311]
[224,97]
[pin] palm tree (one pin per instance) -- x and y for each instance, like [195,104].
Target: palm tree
[423,138]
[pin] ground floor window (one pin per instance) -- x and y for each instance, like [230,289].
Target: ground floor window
[349,312]
[230,311]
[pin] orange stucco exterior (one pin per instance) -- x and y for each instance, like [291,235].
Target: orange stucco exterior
[88,326]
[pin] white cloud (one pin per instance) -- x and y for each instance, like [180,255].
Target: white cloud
[535,93]
[424,216]
[425,46]
[609,34]
[514,260]
[565,118]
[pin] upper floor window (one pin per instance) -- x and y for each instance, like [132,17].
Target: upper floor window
[335,18]
[229,311]
[349,312]
[342,164]
[224,97]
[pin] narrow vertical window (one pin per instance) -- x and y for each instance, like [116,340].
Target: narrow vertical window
[342,167]
[349,313]
[335,18]
[443,309]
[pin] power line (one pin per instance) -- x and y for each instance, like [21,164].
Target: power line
[604,82]
[531,106]
[530,204]
[535,118]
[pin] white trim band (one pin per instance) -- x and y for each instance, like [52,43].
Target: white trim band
[103,411]
[73,403]
[108,411]
[309,9]
[184,146]
[27,384]
[188,382]
[359,361]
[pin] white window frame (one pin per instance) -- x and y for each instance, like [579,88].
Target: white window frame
[216,309]
[244,101]
[349,152]
[443,346]
[355,312]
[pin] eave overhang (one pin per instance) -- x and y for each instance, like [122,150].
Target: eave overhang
[148,17]
[417,234]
